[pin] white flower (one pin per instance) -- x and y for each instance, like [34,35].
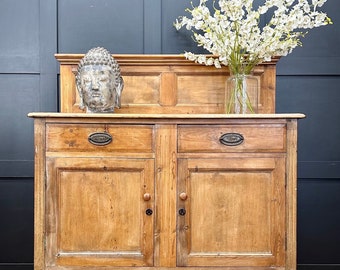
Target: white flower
[232,32]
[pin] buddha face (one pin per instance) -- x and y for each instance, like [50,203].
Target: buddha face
[97,88]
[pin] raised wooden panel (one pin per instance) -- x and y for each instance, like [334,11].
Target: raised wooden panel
[96,212]
[75,138]
[141,90]
[256,138]
[193,90]
[235,212]
[167,84]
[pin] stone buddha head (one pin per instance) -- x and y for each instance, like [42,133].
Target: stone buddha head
[99,82]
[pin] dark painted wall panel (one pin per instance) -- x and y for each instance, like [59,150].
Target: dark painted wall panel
[19,43]
[114,24]
[49,66]
[19,95]
[319,98]
[135,26]
[174,41]
[16,267]
[16,227]
[320,54]
[152,26]
[318,221]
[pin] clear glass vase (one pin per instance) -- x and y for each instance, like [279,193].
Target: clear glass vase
[242,94]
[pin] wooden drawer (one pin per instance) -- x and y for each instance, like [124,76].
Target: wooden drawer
[231,138]
[99,138]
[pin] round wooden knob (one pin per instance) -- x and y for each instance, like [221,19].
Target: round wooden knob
[183,196]
[147,197]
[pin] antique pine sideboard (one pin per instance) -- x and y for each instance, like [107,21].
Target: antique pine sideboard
[168,181]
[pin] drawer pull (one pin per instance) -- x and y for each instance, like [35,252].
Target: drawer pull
[100,138]
[183,196]
[147,197]
[231,139]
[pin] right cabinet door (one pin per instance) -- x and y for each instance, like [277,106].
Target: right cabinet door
[231,211]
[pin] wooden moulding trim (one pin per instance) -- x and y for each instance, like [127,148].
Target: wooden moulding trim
[167,116]
[143,59]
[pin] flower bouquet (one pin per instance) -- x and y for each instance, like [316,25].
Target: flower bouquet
[231,31]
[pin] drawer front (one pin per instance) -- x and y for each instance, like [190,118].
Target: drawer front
[99,137]
[231,138]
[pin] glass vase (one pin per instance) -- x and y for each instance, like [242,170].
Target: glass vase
[242,94]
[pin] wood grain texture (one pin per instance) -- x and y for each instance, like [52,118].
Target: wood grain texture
[239,207]
[291,194]
[75,137]
[235,213]
[96,213]
[256,138]
[165,181]
[167,84]
[39,191]
[240,204]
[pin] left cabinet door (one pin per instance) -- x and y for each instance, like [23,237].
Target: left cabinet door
[99,212]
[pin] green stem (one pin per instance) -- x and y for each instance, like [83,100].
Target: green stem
[238,95]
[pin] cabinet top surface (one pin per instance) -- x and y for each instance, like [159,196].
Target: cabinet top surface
[166,116]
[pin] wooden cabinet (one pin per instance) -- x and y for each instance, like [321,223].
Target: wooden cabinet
[165,191]
[168,181]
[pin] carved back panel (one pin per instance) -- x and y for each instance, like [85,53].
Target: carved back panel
[167,84]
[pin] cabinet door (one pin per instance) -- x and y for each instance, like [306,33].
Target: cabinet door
[99,212]
[234,212]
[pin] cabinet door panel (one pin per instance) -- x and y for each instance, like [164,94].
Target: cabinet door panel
[234,212]
[96,212]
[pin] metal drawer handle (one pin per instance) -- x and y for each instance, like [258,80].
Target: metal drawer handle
[100,138]
[231,139]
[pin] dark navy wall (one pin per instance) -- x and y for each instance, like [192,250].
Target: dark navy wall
[32,31]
